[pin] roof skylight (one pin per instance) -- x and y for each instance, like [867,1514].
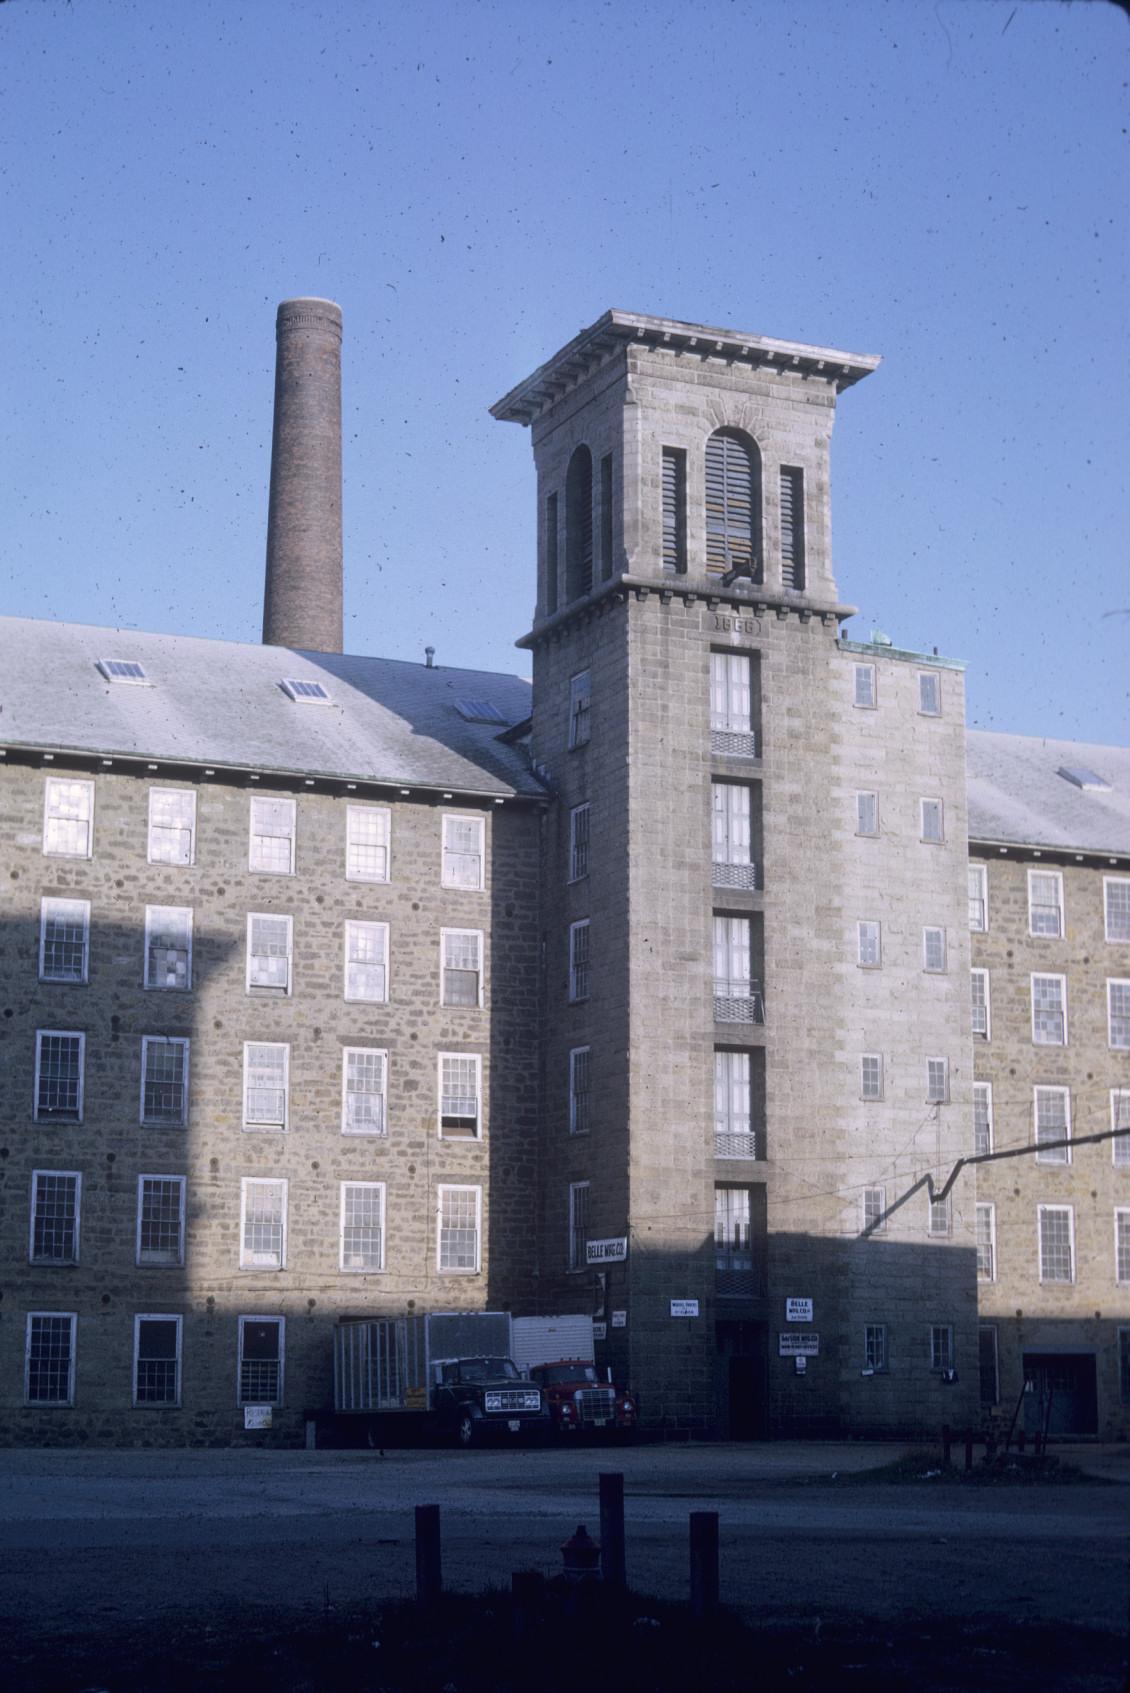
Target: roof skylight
[1083,778]
[303,691]
[123,670]
[479,711]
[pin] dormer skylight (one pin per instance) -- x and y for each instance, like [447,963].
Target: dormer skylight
[126,670]
[1081,777]
[479,711]
[305,692]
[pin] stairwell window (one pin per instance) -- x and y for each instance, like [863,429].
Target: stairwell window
[266,1070]
[929,693]
[937,1081]
[733,505]
[579,842]
[1049,1010]
[732,862]
[864,693]
[463,853]
[986,1243]
[172,826]
[579,961]
[262,1230]
[871,1075]
[363,1091]
[578,1225]
[262,1354]
[64,940]
[674,513]
[734,1135]
[269,949]
[979,1003]
[1118,1013]
[932,829]
[168,947]
[368,830]
[792,528]
[734,1270]
[580,1078]
[934,951]
[68,818]
[55,1209]
[271,847]
[59,1064]
[460,1095]
[366,962]
[869,949]
[160,1220]
[874,1210]
[737,997]
[1056,1224]
[164,1081]
[461,967]
[580,705]
[866,814]
[978,898]
[982,1118]
[459,1230]
[362,1226]
[578,525]
[1045,903]
[731,705]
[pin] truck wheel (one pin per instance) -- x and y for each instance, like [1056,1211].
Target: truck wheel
[465,1431]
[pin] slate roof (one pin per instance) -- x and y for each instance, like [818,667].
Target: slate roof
[220,704]
[1016,795]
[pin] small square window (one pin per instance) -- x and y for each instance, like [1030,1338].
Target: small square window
[580,702]
[68,818]
[866,814]
[870,955]
[463,853]
[864,693]
[272,836]
[932,830]
[934,951]
[172,826]
[64,940]
[871,1075]
[930,693]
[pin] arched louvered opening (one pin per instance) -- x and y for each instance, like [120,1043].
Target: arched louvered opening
[733,505]
[578,525]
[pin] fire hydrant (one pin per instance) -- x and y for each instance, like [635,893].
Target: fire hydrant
[581,1555]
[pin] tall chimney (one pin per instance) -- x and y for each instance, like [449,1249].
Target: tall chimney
[302,601]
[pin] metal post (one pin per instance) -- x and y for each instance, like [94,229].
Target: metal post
[429,1576]
[613,1561]
[311,1435]
[704,1563]
[947,1441]
[968,1450]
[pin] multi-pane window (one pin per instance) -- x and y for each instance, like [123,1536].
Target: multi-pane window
[362,1225]
[1122,1246]
[168,946]
[978,898]
[874,1210]
[1118,1013]
[866,814]
[941,1216]
[934,950]
[261,1357]
[262,1231]
[1057,1243]
[55,1205]
[49,1358]
[458,1228]
[368,829]
[736,995]
[58,1076]
[731,805]
[986,1243]
[578,1224]
[68,818]
[1045,902]
[792,527]
[156,1360]
[461,967]
[941,1346]
[463,853]
[1116,906]
[64,940]
[734,1135]
[172,826]
[363,1091]
[871,1075]
[579,960]
[1049,1010]
[674,512]
[366,961]
[164,1081]
[931,819]
[578,842]
[875,1346]
[732,517]
[460,1095]
[1120,1121]
[863,685]
[1051,1116]
[272,836]
[982,1118]
[270,949]
[731,705]
[580,704]
[160,1220]
[929,693]
[937,1081]
[265,1073]
[979,1003]
[734,1275]
[869,945]
[580,1077]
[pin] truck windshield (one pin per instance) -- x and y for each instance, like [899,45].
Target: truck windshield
[488,1369]
[558,1375]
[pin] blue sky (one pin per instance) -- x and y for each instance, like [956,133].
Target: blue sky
[944,184]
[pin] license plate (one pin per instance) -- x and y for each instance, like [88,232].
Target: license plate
[514,1425]
[599,1422]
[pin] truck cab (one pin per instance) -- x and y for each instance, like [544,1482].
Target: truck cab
[580,1402]
[477,1399]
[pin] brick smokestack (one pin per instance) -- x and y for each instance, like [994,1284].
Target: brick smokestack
[302,605]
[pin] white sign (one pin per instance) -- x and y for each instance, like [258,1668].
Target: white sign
[606,1251]
[619,1319]
[256,1416]
[684,1307]
[798,1345]
[798,1310]
[599,1331]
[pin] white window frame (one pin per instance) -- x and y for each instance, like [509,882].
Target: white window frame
[38,1258]
[259,835]
[1120,1119]
[147,1042]
[51,815]
[874,1199]
[875,1348]
[71,1318]
[1110,882]
[929,839]
[980,873]
[578,1222]
[75,913]
[869,946]
[580,967]
[60,1034]
[939,967]
[731,834]
[1122,983]
[941,1346]
[155,916]
[353,927]
[867,809]
[262,988]
[985,1209]
[444,967]
[280,1322]
[156,1317]
[262,1127]
[188,825]
[580,841]
[939,1217]
[580,1097]
[580,709]
[246,1257]
[380,1093]
[452,875]
[355,848]
[1034,906]
[864,687]
[1046,976]
[1062,1155]
[876,1092]
[735,1133]
[1041,1211]
[1121,1217]
[362,1269]
[980,977]
[932,1096]
[180,1183]
[985,1090]
[929,683]
[459,1270]
[731,705]
[455,1132]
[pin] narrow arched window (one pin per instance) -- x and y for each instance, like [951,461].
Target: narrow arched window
[733,505]
[578,525]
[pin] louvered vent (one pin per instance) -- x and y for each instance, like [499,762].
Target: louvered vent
[674,509]
[731,506]
[792,527]
[578,524]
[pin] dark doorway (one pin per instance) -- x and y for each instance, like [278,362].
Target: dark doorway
[741,1380]
[1060,1394]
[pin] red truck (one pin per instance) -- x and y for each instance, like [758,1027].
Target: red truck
[557,1354]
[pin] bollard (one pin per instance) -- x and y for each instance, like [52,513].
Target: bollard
[1021,1440]
[613,1561]
[947,1443]
[968,1451]
[704,1563]
[311,1435]
[429,1575]
[525,1600]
